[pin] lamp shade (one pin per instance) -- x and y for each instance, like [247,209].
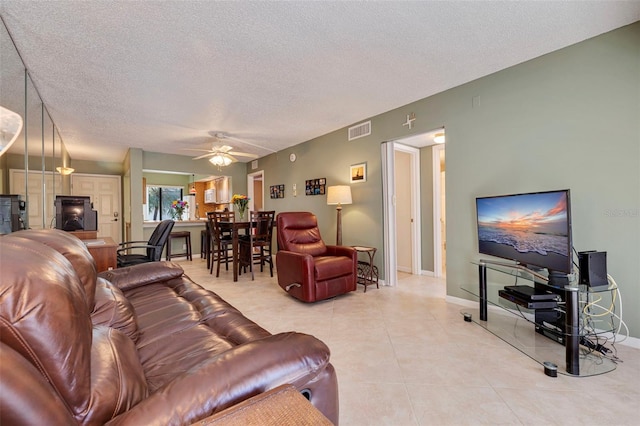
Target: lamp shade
[10,127]
[65,170]
[339,194]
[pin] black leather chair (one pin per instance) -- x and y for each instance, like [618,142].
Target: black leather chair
[153,247]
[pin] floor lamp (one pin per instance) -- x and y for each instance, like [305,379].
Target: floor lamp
[339,195]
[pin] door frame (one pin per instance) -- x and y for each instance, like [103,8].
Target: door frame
[389,204]
[437,210]
[250,181]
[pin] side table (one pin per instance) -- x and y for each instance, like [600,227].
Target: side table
[367,271]
[104,252]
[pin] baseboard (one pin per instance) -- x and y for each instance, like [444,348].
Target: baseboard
[632,342]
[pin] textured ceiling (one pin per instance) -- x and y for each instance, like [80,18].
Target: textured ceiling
[164,75]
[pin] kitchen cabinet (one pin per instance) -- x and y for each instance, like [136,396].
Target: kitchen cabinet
[222,190]
[210,196]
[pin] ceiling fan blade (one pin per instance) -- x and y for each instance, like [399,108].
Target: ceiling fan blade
[197,149]
[210,154]
[234,159]
[243,154]
[249,143]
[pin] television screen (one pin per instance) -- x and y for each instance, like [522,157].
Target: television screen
[532,229]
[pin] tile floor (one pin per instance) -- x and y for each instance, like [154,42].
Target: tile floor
[404,356]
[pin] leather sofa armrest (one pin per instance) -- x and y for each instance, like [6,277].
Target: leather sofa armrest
[231,377]
[139,275]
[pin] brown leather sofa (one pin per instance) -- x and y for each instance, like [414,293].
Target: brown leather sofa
[137,345]
[308,269]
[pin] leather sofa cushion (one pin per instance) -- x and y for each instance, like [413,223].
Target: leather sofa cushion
[182,325]
[218,314]
[73,249]
[328,267]
[32,327]
[173,337]
[117,380]
[114,310]
[26,396]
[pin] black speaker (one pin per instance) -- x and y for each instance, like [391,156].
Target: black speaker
[593,268]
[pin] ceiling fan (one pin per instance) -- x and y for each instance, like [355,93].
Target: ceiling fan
[221,154]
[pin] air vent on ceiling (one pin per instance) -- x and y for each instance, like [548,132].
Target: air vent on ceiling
[360,130]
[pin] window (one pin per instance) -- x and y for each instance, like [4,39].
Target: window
[159,199]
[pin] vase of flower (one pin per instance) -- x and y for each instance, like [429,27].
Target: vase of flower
[178,207]
[241,202]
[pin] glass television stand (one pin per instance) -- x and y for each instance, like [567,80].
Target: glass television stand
[546,332]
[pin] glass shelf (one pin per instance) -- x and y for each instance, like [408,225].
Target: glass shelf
[545,335]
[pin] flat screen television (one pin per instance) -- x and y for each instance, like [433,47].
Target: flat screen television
[532,229]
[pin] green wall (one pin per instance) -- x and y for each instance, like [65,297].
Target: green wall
[569,119]
[330,157]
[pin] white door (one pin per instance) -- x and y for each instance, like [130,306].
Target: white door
[41,211]
[104,191]
[404,211]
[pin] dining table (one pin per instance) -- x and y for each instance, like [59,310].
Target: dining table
[235,227]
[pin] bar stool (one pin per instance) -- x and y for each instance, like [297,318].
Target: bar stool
[187,239]
[205,243]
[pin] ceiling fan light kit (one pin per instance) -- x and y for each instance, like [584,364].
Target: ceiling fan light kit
[220,159]
[221,155]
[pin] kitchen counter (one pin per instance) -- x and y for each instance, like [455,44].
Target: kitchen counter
[195,227]
[180,223]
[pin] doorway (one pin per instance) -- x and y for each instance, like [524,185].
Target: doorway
[255,190]
[401,194]
[401,200]
[439,212]
[104,191]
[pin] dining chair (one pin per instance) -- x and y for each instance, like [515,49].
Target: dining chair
[256,247]
[221,239]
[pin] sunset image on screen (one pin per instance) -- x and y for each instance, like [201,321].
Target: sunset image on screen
[528,223]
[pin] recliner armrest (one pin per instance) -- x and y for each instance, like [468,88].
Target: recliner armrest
[342,251]
[231,377]
[294,267]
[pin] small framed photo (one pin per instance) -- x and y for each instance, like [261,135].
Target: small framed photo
[315,186]
[358,173]
[277,191]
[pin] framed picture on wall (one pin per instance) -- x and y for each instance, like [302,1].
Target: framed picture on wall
[358,173]
[277,191]
[315,186]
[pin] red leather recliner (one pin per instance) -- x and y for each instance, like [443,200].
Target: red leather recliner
[308,269]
